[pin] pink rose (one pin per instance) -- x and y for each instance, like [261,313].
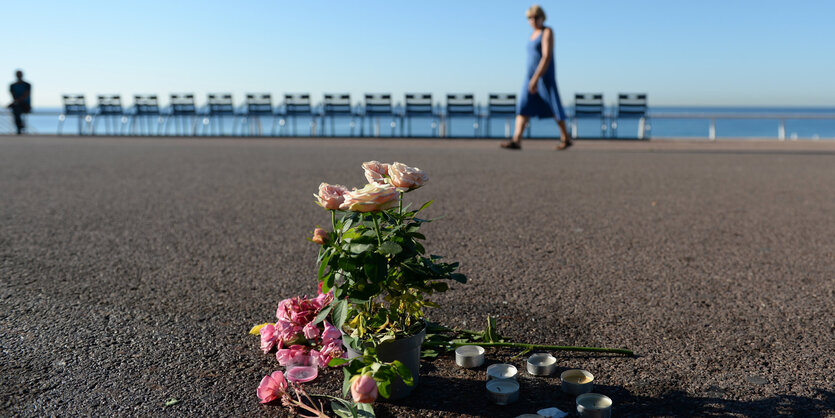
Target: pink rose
[376,172]
[268,337]
[272,387]
[364,389]
[330,333]
[331,195]
[310,331]
[406,178]
[371,198]
[320,236]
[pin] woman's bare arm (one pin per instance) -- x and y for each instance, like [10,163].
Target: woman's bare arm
[547,52]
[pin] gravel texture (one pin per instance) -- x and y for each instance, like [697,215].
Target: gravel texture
[131,270]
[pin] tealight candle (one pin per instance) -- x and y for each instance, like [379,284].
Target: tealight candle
[576,381]
[503,391]
[541,364]
[594,405]
[501,371]
[469,356]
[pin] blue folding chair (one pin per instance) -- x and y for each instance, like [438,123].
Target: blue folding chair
[500,105]
[295,106]
[588,106]
[74,105]
[259,105]
[145,108]
[418,105]
[338,105]
[377,106]
[220,106]
[461,105]
[184,111]
[110,109]
[632,106]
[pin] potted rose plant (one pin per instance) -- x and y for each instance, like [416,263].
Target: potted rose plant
[380,275]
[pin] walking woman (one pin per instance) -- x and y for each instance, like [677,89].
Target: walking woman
[539,96]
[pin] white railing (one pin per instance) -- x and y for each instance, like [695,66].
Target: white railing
[780,117]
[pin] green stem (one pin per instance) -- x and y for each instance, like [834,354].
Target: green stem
[536,347]
[333,221]
[377,229]
[400,208]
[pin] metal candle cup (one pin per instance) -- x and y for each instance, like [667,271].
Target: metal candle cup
[576,381]
[501,372]
[503,391]
[541,364]
[469,356]
[594,405]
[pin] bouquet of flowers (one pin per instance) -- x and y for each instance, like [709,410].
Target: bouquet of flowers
[375,278]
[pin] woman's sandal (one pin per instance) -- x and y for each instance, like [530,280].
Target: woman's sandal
[511,145]
[565,144]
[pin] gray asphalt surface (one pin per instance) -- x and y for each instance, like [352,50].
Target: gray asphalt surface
[131,270]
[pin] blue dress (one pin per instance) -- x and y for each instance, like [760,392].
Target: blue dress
[546,102]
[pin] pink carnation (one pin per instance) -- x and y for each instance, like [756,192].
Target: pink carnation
[268,337]
[311,331]
[296,355]
[330,333]
[272,387]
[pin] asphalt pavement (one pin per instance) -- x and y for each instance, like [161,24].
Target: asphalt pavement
[131,269]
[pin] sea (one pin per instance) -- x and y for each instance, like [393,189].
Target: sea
[667,122]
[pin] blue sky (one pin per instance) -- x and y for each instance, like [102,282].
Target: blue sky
[710,52]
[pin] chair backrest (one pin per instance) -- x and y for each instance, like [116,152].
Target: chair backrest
[588,104]
[501,104]
[220,104]
[632,105]
[110,104]
[146,104]
[182,104]
[74,104]
[259,104]
[460,104]
[378,104]
[337,104]
[418,104]
[297,104]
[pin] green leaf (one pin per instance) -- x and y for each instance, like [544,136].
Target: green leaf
[361,248]
[491,334]
[347,225]
[340,313]
[365,410]
[323,314]
[458,277]
[390,248]
[404,372]
[425,205]
[384,388]
[342,410]
[337,362]
[347,264]
[327,282]
[171,402]
[429,353]
[323,265]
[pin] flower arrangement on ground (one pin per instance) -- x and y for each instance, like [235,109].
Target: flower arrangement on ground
[375,278]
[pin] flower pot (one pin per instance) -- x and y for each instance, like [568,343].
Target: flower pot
[407,351]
